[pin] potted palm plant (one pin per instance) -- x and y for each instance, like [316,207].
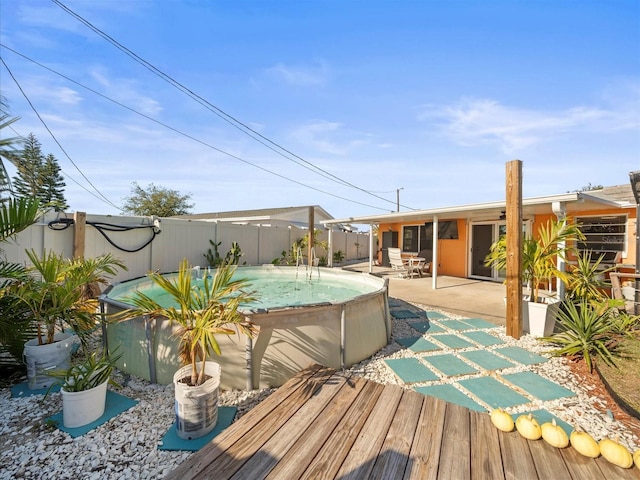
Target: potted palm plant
[59,295]
[83,387]
[202,310]
[540,255]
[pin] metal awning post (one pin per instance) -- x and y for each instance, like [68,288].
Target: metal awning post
[371,248]
[634,177]
[434,260]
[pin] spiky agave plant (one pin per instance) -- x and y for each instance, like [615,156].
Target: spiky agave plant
[587,332]
[200,312]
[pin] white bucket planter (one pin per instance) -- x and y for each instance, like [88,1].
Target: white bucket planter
[539,319]
[43,358]
[196,407]
[82,408]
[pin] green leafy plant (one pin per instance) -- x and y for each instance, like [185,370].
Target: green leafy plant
[232,257]
[586,280]
[202,312]
[300,245]
[61,292]
[94,370]
[338,256]
[586,332]
[539,255]
[623,323]
[15,327]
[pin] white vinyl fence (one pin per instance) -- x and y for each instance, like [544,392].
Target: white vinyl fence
[178,238]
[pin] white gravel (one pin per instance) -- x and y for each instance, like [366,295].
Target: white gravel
[126,446]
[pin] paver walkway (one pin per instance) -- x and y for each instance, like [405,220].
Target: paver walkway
[463,362]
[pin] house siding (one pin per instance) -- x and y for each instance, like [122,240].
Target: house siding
[453,254]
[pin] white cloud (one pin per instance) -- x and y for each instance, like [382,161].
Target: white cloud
[328,137]
[474,121]
[303,76]
[126,91]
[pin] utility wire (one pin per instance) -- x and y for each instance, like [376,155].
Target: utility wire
[190,137]
[217,111]
[109,202]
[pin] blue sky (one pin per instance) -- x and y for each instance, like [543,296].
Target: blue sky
[432,97]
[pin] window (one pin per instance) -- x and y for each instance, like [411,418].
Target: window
[415,238]
[605,235]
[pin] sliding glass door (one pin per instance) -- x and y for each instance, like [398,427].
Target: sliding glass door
[483,235]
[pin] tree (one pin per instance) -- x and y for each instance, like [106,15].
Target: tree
[52,189]
[39,176]
[588,188]
[159,201]
[8,149]
[28,166]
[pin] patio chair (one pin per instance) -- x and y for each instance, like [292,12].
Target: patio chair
[405,268]
[428,259]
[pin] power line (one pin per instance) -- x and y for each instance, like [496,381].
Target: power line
[216,110]
[186,135]
[109,202]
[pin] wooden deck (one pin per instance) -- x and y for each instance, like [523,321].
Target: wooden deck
[324,425]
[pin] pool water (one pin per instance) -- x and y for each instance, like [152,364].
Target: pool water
[274,289]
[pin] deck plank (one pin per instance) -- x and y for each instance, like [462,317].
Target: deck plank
[330,457]
[516,456]
[394,455]
[276,449]
[548,460]
[201,460]
[579,466]
[243,448]
[611,471]
[359,462]
[425,452]
[455,454]
[486,458]
[303,448]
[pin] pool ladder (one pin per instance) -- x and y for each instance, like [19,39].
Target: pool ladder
[314,262]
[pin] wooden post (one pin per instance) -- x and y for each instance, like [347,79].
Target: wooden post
[80,221]
[514,248]
[312,223]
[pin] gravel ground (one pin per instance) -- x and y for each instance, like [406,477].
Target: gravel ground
[126,446]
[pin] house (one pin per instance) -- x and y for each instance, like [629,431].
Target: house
[459,237]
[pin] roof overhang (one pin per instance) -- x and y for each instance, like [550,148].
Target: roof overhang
[573,203]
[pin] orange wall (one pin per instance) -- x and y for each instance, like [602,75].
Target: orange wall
[452,254]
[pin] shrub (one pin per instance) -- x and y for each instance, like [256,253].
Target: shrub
[587,332]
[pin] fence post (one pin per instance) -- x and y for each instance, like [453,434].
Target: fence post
[80,222]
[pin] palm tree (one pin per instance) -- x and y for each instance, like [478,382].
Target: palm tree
[540,255]
[200,312]
[7,147]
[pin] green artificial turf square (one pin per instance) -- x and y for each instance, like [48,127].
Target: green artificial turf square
[450,365]
[410,370]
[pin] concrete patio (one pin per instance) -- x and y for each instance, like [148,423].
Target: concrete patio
[460,296]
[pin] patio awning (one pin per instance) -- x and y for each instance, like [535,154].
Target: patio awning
[574,202]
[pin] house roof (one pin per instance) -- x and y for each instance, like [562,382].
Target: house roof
[618,193]
[573,202]
[265,214]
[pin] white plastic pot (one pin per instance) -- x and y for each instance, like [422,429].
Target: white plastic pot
[82,408]
[196,407]
[539,319]
[43,358]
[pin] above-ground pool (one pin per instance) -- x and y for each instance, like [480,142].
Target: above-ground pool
[327,316]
